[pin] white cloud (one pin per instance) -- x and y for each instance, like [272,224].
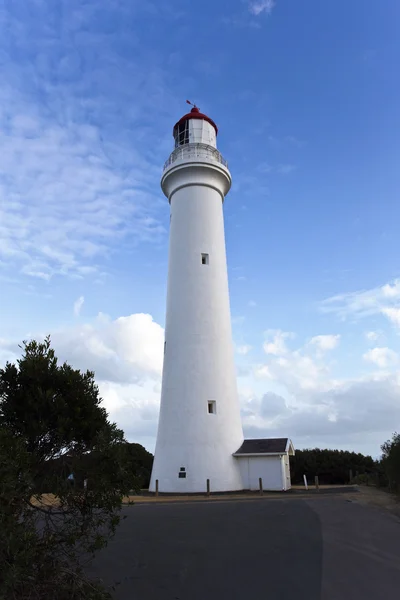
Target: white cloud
[285,169]
[302,370]
[64,205]
[252,303]
[393,314]
[348,416]
[262,372]
[296,393]
[135,408]
[126,355]
[325,342]
[78,184]
[382,357]
[306,402]
[391,290]
[125,350]
[78,305]
[261,6]
[372,336]
[244,349]
[383,299]
[275,342]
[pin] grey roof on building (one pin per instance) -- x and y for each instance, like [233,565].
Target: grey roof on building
[263,446]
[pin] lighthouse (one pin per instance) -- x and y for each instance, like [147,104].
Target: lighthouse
[199,425]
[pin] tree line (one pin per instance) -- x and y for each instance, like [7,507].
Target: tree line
[331,466]
[342,467]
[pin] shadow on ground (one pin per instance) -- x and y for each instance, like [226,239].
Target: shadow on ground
[213,551]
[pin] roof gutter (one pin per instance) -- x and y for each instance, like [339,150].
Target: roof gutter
[244,454]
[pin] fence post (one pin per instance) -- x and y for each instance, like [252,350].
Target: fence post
[316,483]
[305,482]
[208,487]
[260,485]
[156,488]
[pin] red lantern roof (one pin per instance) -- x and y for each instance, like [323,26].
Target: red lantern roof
[196,114]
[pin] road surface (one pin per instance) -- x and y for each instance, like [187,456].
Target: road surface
[326,548]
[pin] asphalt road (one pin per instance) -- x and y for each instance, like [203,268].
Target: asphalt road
[325,548]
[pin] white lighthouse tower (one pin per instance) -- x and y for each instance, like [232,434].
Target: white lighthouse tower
[199,426]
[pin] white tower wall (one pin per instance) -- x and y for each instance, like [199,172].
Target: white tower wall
[198,358]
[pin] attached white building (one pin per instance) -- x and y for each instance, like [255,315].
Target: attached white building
[267,459]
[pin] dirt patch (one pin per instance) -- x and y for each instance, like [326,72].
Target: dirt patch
[45,500]
[372,496]
[295,492]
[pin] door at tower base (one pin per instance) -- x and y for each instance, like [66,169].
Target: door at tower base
[266,459]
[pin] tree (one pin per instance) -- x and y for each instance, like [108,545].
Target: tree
[331,466]
[141,463]
[391,461]
[52,425]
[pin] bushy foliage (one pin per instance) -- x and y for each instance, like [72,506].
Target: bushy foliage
[52,424]
[141,463]
[391,461]
[331,466]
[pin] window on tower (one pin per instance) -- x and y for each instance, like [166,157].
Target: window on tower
[181,134]
[204,259]
[212,407]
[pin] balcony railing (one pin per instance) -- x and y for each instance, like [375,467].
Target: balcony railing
[193,151]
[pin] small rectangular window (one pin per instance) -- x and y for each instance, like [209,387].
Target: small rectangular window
[204,259]
[212,407]
[182,475]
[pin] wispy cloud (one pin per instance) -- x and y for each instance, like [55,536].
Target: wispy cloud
[280,169]
[244,349]
[261,6]
[287,140]
[275,343]
[384,300]
[78,306]
[372,336]
[80,159]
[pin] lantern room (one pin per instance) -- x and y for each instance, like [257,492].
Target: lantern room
[195,128]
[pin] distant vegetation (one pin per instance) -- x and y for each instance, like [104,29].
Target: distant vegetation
[341,467]
[331,466]
[84,466]
[390,463]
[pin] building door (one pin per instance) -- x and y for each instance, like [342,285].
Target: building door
[288,483]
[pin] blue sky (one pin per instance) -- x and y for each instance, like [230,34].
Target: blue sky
[306,98]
